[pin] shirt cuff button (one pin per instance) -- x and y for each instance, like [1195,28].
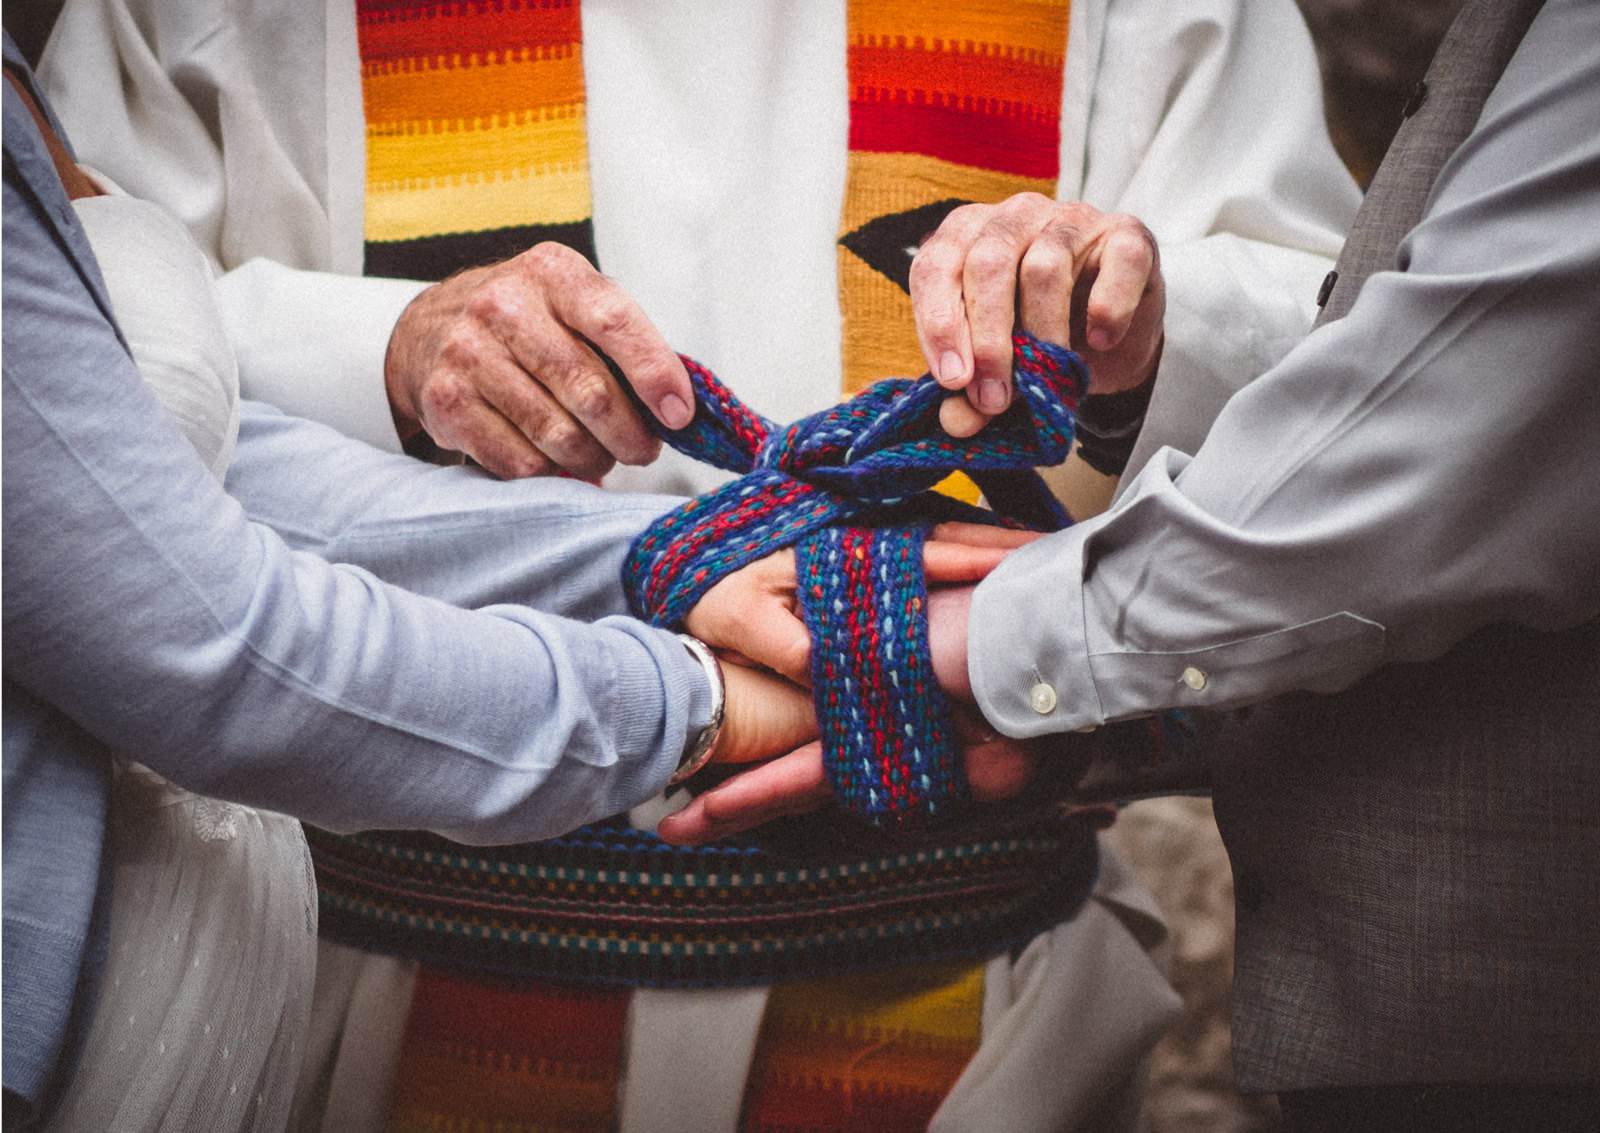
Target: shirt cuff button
[1042,699]
[1194,679]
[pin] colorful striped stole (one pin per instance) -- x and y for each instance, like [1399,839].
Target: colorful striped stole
[951,101]
[477,142]
[862,1054]
[508,1056]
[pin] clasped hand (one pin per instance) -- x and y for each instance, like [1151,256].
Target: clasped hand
[752,617]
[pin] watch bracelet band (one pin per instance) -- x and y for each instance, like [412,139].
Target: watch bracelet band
[697,753]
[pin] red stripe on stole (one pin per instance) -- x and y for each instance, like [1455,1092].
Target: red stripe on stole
[951,75]
[984,106]
[994,141]
[393,32]
[860,587]
[529,1020]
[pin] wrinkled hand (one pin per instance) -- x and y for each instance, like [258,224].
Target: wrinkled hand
[753,615]
[500,363]
[1068,272]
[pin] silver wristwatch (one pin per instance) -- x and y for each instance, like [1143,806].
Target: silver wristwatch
[698,751]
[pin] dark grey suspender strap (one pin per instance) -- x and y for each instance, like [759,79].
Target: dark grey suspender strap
[1442,112]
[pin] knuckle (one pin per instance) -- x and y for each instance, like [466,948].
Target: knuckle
[966,216]
[928,266]
[547,258]
[562,437]
[459,353]
[610,313]
[1047,263]
[991,258]
[1026,204]
[590,396]
[444,396]
[493,301]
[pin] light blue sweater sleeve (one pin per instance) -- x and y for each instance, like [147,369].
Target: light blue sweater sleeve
[177,626]
[452,533]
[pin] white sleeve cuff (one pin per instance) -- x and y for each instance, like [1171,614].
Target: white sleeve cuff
[312,343]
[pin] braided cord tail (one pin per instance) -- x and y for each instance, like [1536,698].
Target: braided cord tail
[888,736]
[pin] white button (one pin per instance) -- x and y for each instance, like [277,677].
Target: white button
[1194,678]
[1042,699]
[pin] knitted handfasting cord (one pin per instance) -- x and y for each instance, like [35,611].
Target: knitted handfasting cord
[848,488]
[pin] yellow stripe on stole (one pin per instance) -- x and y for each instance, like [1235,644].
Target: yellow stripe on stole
[426,182]
[924,1021]
[514,151]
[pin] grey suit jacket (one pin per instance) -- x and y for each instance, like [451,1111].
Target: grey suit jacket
[1417,859]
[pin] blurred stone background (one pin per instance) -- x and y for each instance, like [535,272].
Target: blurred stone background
[1372,53]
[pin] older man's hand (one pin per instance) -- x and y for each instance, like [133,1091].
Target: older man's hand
[502,363]
[1065,271]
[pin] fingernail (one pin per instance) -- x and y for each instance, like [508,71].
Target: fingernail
[1100,339]
[674,412]
[992,395]
[950,368]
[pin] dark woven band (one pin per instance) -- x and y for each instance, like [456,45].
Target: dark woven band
[617,906]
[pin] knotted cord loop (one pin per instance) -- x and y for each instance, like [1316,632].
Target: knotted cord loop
[849,489]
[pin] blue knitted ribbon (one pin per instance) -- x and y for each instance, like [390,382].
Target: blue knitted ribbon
[849,489]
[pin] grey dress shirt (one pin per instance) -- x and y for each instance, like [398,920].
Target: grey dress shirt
[1418,469]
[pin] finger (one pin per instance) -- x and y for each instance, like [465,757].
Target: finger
[591,394]
[1046,278]
[778,640]
[948,610]
[566,398]
[609,318]
[936,300]
[761,629]
[989,289]
[532,405]
[990,292]
[998,769]
[949,563]
[1127,261]
[981,534]
[792,784]
[482,432]
[754,613]
[960,418]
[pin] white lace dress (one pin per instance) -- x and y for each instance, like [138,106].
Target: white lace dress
[206,995]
